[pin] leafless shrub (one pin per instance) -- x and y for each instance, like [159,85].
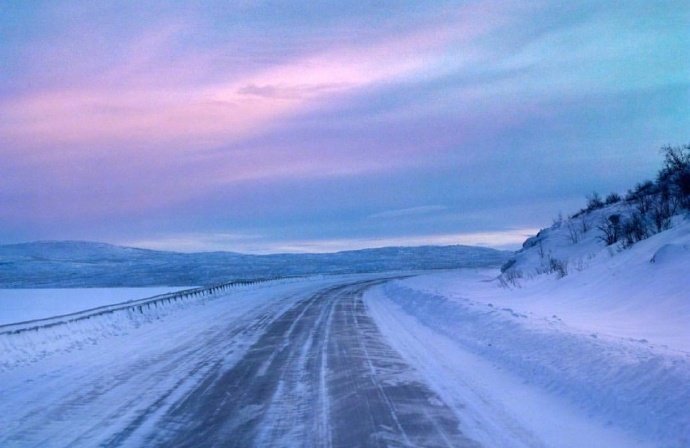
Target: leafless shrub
[612,198]
[540,247]
[675,174]
[634,229]
[554,265]
[584,224]
[661,214]
[594,202]
[510,278]
[610,229]
[560,267]
[573,231]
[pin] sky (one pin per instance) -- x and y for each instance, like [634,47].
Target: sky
[310,126]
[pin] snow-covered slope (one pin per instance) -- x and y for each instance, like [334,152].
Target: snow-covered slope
[604,335]
[84,264]
[578,243]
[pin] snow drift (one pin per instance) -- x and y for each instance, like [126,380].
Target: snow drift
[605,329]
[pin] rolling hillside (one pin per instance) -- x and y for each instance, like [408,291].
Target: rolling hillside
[88,264]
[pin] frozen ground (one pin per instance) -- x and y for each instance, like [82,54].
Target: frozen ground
[17,305]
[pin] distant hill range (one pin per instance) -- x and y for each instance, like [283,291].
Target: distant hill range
[46,264]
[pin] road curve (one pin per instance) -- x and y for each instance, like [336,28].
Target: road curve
[316,373]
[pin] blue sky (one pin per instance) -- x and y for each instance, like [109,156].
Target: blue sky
[262,126]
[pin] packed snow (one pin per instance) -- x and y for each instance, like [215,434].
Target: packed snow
[18,305]
[608,343]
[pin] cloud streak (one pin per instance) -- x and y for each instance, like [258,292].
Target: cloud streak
[138,101]
[411,211]
[325,123]
[256,244]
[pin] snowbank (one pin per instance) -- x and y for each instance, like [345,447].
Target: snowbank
[625,383]
[496,406]
[611,339]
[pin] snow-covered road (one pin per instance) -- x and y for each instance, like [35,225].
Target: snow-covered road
[293,364]
[342,361]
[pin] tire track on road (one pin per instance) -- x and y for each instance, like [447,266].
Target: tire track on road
[321,374]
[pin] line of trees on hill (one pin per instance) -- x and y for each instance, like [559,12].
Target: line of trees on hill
[650,204]
[623,220]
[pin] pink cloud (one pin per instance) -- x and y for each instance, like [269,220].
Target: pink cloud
[135,128]
[156,96]
[133,109]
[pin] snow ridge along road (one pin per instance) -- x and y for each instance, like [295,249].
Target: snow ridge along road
[296,364]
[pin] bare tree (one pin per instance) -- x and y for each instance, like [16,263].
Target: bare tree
[675,173]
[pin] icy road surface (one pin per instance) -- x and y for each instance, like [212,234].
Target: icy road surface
[297,364]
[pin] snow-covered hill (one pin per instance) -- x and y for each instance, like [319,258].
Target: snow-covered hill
[575,328]
[556,250]
[647,284]
[615,240]
[86,264]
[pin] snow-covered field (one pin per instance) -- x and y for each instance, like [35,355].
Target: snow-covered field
[600,357]
[19,305]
